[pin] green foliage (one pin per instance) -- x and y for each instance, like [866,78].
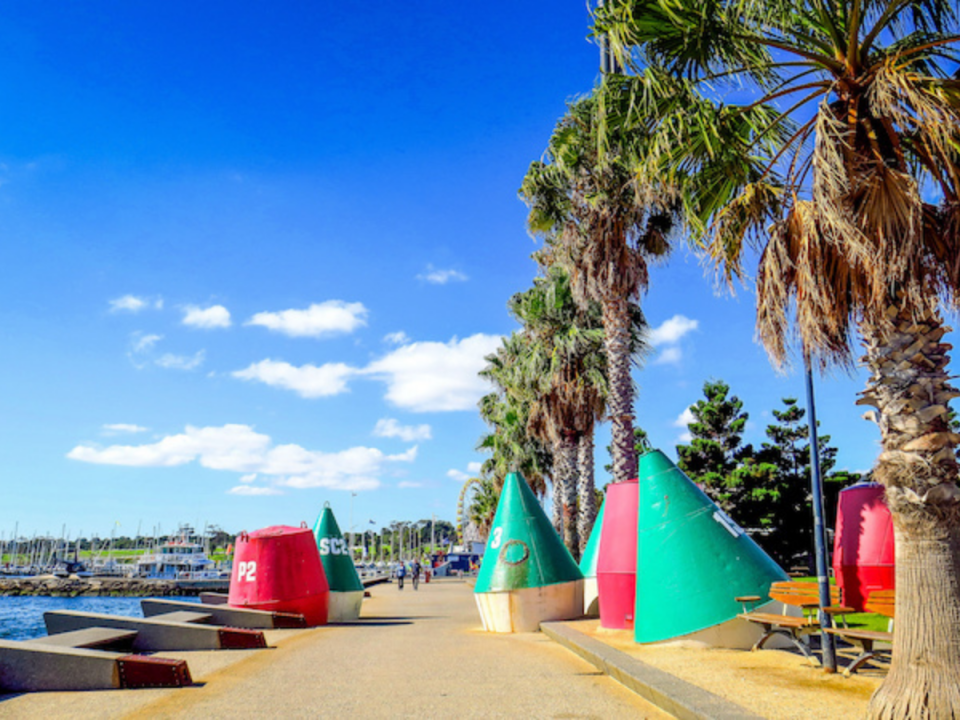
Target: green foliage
[641,443]
[715,458]
[483,505]
[766,491]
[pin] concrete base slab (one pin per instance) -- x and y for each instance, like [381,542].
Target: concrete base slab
[591,597]
[524,610]
[344,606]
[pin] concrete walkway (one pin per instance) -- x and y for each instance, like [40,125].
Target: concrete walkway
[415,654]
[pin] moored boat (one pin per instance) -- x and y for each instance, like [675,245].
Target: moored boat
[178,560]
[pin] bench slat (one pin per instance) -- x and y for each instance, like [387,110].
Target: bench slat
[882,602]
[782,620]
[876,635]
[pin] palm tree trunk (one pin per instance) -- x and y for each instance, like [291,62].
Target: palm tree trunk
[910,389]
[567,467]
[616,328]
[588,499]
[556,513]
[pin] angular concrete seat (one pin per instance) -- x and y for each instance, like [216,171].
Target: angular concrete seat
[90,638]
[153,634]
[184,616]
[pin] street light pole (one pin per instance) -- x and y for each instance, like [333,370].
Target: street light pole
[819,536]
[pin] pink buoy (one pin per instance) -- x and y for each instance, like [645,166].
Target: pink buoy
[863,547]
[279,569]
[617,559]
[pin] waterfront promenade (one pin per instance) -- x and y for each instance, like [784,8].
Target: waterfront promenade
[414,654]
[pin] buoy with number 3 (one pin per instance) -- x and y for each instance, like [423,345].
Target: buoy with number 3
[278,569]
[527,575]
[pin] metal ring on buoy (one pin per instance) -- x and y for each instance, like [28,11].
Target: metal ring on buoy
[509,543]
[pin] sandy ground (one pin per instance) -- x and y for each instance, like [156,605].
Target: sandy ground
[776,684]
[414,654]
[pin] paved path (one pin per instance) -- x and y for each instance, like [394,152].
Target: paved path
[417,654]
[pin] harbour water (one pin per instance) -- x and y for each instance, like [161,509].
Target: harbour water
[21,618]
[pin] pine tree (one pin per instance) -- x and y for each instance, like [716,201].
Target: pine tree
[788,526]
[716,459]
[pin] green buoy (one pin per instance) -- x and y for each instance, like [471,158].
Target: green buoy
[346,590]
[527,575]
[588,566]
[693,560]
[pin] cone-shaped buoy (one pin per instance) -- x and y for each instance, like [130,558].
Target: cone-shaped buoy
[588,566]
[617,561]
[693,561]
[278,569]
[346,590]
[527,575]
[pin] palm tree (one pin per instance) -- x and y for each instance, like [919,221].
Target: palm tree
[605,227]
[566,375]
[507,411]
[483,504]
[845,175]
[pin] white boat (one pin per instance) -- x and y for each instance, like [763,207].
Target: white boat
[178,560]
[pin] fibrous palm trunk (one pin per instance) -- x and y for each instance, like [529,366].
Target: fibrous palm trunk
[565,466]
[587,511]
[556,505]
[910,389]
[616,327]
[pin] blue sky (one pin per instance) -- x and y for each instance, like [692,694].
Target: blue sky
[253,256]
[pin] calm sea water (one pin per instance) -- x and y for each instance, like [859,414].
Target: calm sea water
[21,618]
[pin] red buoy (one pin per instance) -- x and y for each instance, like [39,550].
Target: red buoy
[617,559]
[278,569]
[863,547]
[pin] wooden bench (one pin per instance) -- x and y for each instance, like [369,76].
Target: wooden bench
[881,602]
[804,595]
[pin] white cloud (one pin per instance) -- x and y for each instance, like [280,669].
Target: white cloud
[134,304]
[672,330]
[238,448]
[436,276]
[388,427]
[435,376]
[474,467]
[320,319]
[669,356]
[143,343]
[308,381]
[409,484]
[669,333]
[141,354]
[683,420]
[254,491]
[170,361]
[118,428]
[215,316]
[397,338]
[458,475]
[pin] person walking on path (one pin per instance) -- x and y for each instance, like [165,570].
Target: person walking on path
[415,570]
[401,572]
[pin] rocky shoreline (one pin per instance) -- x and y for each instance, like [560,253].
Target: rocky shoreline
[73,586]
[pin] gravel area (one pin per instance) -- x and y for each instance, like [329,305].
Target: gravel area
[776,684]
